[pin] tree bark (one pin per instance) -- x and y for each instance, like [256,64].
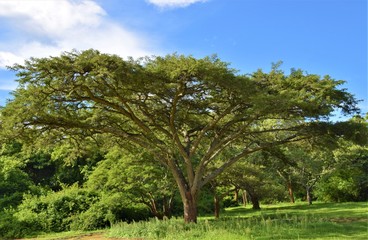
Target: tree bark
[216,201]
[190,208]
[255,201]
[151,204]
[245,198]
[291,193]
[236,195]
[154,210]
[309,197]
[188,193]
[289,186]
[167,207]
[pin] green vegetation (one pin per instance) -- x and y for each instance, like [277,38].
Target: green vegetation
[281,221]
[91,140]
[274,221]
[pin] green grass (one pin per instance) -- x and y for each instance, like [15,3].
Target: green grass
[281,221]
[330,221]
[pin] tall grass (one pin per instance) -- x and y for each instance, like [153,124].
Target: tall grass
[275,222]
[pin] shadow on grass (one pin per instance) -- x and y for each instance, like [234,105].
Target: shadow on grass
[343,212]
[317,221]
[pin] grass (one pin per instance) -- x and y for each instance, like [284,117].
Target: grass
[281,221]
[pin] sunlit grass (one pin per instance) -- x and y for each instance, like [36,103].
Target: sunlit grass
[281,221]
[278,221]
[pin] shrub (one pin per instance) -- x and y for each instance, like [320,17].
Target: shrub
[55,211]
[72,208]
[109,209]
[11,227]
[97,216]
[228,201]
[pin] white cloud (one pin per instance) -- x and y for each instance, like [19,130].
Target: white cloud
[173,3]
[51,18]
[46,28]
[8,59]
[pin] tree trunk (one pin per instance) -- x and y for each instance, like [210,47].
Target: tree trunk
[291,194]
[255,201]
[309,197]
[190,208]
[236,195]
[188,193]
[151,204]
[245,198]
[216,200]
[167,206]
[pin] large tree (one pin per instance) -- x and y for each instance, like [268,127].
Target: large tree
[184,111]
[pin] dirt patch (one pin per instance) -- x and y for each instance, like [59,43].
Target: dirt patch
[94,236]
[97,236]
[90,236]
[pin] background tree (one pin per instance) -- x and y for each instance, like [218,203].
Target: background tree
[138,178]
[14,182]
[184,111]
[348,179]
[259,181]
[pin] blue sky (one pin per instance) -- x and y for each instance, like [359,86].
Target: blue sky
[318,36]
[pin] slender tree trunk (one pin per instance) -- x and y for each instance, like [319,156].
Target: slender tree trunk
[152,206]
[309,197]
[216,201]
[236,195]
[167,206]
[291,193]
[156,213]
[287,179]
[245,198]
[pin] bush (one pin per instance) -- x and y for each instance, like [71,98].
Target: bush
[229,201]
[72,208]
[109,209]
[55,211]
[13,181]
[97,216]
[205,202]
[76,208]
[11,227]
